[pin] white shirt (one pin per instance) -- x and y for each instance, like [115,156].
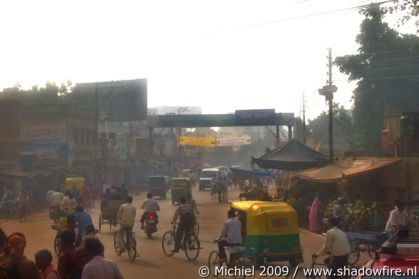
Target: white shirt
[100,268]
[150,205]
[52,275]
[336,243]
[395,219]
[232,231]
[126,215]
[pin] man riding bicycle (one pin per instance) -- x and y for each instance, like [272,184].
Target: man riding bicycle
[185,212]
[150,206]
[125,217]
[230,234]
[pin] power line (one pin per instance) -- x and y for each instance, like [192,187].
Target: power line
[354,8]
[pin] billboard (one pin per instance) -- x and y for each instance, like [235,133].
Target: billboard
[233,141]
[120,100]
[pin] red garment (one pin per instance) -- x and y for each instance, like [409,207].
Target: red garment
[66,263]
[48,270]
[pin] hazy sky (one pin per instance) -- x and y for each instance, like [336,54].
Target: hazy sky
[212,53]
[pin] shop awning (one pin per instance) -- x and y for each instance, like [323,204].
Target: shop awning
[346,169]
[293,156]
[18,174]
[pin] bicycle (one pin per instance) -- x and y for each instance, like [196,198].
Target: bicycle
[236,259]
[130,244]
[189,243]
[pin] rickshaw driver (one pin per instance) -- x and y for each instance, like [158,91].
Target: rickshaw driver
[185,212]
[150,206]
[336,243]
[230,235]
[125,217]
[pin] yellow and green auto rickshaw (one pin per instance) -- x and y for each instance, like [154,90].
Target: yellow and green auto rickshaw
[180,187]
[78,182]
[270,231]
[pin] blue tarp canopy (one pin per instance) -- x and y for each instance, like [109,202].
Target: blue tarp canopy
[252,173]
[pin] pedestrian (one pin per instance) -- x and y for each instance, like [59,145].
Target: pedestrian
[23,202]
[84,197]
[66,259]
[83,219]
[72,225]
[92,196]
[75,192]
[16,265]
[81,260]
[43,259]
[396,220]
[314,220]
[336,243]
[98,267]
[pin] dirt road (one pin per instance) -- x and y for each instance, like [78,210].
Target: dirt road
[151,263]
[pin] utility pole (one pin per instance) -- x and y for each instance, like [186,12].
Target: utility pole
[328,91]
[304,117]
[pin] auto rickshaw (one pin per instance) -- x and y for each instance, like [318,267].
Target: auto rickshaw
[73,181]
[180,187]
[270,231]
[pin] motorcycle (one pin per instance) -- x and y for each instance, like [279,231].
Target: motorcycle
[150,225]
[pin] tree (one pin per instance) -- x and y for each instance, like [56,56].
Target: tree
[342,128]
[410,9]
[387,70]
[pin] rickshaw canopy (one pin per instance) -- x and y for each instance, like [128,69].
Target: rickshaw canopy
[78,182]
[268,218]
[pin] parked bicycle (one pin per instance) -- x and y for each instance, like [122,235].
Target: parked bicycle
[190,243]
[129,243]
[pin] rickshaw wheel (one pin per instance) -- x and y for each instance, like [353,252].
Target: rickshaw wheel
[168,243]
[100,223]
[115,244]
[57,244]
[191,247]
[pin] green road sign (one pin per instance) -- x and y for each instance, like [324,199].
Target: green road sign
[213,120]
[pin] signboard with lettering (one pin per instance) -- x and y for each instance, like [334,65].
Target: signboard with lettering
[234,141]
[197,141]
[255,117]
[45,134]
[241,118]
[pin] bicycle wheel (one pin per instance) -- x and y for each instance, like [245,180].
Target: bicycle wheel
[191,245]
[355,252]
[57,244]
[118,249]
[196,229]
[214,261]
[168,243]
[132,248]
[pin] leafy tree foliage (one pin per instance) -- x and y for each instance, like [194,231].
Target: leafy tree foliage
[342,128]
[387,70]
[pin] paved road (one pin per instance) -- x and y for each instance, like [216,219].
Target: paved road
[152,263]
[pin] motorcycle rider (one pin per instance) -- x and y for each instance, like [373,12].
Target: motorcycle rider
[150,206]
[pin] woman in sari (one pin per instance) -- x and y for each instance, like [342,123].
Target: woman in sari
[314,218]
